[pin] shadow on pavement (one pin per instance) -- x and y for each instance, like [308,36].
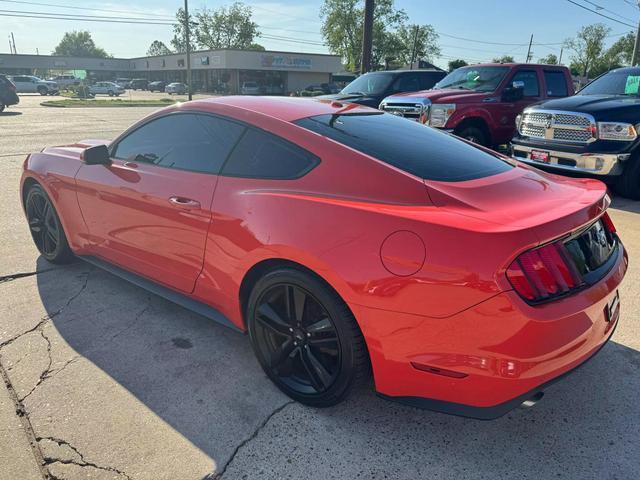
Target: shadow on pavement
[626,204]
[10,114]
[202,379]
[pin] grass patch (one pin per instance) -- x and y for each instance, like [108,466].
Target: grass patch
[117,102]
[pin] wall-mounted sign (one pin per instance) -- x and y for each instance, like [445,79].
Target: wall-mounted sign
[285,61]
[181,62]
[204,60]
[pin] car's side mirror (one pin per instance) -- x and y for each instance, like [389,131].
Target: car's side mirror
[98,155]
[514,92]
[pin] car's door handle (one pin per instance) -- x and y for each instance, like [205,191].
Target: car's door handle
[183,202]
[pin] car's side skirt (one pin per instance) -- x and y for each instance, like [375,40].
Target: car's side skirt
[162,291]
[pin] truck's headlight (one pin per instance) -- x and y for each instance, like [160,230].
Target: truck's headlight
[440,114]
[518,121]
[616,131]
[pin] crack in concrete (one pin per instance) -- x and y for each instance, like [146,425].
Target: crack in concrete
[255,433]
[133,322]
[49,316]
[82,463]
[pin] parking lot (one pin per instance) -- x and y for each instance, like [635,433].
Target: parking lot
[117,383]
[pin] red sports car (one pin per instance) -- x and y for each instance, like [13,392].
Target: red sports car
[345,240]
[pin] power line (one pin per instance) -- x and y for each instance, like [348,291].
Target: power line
[81,19]
[481,41]
[164,17]
[601,14]
[600,7]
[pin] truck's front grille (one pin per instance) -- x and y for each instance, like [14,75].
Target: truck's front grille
[565,127]
[407,110]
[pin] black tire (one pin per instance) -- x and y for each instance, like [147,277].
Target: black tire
[43,91]
[111,94]
[46,229]
[628,184]
[473,134]
[2,107]
[313,350]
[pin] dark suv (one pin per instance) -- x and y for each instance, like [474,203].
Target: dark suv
[8,95]
[369,89]
[139,84]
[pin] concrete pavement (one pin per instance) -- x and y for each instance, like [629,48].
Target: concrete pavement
[116,383]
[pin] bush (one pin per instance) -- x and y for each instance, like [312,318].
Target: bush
[80,91]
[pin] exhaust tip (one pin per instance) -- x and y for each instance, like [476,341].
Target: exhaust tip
[530,402]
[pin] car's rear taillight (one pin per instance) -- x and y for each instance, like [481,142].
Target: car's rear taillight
[608,223]
[544,273]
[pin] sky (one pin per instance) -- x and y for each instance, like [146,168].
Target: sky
[485,29]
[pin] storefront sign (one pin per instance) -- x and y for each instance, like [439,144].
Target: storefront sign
[285,61]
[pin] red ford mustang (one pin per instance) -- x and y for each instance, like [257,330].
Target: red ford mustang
[345,240]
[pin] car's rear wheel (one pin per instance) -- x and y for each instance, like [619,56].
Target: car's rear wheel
[306,338]
[628,184]
[46,228]
[111,94]
[43,91]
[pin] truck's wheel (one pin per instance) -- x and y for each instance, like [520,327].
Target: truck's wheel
[473,134]
[43,91]
[628,185]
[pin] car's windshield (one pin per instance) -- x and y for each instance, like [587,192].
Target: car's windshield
[369,84]
[479,79]
[614,83]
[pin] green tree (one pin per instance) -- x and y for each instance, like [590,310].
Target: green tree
[178,41]
[588,47]
[79,44]
[158,48]
[504,59]
[454,64]
[226,27]
[550,59]
[342,23]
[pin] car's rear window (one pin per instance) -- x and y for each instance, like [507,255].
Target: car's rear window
[408,145]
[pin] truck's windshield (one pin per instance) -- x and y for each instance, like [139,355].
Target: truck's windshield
[369,84]
[614,83]
[479,79]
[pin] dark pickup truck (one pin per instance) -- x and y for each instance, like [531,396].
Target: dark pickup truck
[593,133]
[369,89]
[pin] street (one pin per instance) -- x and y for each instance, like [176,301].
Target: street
[117,383]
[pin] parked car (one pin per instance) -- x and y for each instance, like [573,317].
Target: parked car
[345,240]
[156,86]
[65,81]
[480,102]
[123,82]
[177,88]
[106,88]
[31,84]
[371,88]
[594,133]
[139,84]
[252,88]
[325,88]
[8,94]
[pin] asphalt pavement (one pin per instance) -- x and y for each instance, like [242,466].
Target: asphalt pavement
[104,380]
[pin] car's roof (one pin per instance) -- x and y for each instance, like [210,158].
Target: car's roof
[287,109]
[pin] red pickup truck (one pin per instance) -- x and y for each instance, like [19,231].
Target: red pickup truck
[481,102]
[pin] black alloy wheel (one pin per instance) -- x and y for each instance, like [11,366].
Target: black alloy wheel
[473,134]
[305,338]
[45,226]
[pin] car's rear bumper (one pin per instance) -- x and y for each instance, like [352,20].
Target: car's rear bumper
[488,359]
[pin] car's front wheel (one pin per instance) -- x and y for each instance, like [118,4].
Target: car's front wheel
[46,228]
[628,184]
[306,338]
[43,91]
[111,94]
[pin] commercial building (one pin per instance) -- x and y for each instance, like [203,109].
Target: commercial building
[276,72]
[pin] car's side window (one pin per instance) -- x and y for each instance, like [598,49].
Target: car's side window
[262,155]
[185,141]
[530,79]
[407,83]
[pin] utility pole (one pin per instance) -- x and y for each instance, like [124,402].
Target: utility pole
[529,51]
[415,42]
[560,57]
[188,40]
[14,44]
[367,36]
[636,46]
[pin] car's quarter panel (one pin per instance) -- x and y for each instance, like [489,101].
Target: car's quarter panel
[133,224]
[501,348]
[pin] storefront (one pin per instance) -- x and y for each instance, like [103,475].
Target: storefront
[221,71]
